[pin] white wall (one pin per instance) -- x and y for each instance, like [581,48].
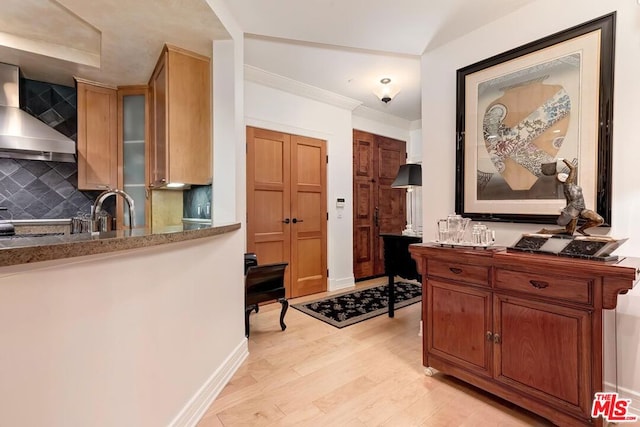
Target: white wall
[127,339]
[270,108]
[545,17]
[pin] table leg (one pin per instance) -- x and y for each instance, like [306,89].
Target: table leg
[392,296]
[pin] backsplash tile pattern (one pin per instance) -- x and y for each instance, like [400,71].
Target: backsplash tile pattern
[53,104]
[197,195]
[33,189]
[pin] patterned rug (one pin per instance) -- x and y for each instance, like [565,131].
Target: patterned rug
[355,306]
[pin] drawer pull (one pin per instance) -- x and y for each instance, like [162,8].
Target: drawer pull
[538,284]
[455,270]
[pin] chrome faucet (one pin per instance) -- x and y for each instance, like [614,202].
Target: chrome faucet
[97,206]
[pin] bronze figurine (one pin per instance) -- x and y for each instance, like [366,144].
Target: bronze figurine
[575,208]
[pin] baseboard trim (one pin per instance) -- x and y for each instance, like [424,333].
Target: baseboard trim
[626,393]
[198,404]
[339,284]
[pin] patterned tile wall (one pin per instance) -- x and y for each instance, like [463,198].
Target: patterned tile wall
[34,189]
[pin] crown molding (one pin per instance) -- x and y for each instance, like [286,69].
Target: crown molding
[276,81]
[381,117]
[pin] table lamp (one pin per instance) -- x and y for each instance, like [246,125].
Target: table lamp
[409,176]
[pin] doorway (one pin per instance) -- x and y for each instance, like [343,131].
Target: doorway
[287,206]
[377,208]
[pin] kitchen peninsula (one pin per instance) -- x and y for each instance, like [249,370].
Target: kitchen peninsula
[46,248]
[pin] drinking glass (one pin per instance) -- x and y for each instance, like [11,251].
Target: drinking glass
[478,233]
[443,231]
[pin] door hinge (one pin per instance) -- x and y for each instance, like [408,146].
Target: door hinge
[327,272]
[327,216]
[327,159]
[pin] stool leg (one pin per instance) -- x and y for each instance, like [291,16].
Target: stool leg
[285,306]
[247,312]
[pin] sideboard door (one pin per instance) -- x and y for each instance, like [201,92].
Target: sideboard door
[544,350]
[458,320]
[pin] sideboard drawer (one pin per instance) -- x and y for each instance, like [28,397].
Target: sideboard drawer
[567,288]
[477,274]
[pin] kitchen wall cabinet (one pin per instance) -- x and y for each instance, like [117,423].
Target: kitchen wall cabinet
[180,100]
[97,136]
[525,327]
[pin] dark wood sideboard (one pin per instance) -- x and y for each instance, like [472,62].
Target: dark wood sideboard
[525,327]
[398,262]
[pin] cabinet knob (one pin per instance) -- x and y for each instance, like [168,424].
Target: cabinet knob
[286,221]
[489,336]
[497,339]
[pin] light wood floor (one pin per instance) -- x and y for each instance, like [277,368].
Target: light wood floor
[367,374]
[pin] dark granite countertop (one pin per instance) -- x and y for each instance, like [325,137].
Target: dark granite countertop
[24,250]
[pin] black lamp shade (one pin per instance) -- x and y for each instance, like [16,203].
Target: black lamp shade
[409,175]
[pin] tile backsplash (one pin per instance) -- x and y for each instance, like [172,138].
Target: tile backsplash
[197,202]
[33,189]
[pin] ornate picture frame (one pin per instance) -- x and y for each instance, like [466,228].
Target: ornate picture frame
[536,104]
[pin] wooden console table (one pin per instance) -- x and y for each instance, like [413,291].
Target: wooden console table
[525,327]
[398,262]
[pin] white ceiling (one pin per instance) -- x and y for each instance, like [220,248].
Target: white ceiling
[343,46]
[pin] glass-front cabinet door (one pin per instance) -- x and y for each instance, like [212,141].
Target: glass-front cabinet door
[134,153]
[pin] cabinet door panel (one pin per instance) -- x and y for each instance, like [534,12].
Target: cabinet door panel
[458,319]
[97,137]
[159,150]
[544,350]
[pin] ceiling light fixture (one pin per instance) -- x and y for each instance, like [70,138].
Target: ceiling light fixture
[385,90]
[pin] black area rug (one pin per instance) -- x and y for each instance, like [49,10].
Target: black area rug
[355,306]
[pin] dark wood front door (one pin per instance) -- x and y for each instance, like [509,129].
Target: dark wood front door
[378,208]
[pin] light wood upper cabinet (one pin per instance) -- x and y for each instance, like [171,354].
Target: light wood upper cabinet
[97,136]
[180,91]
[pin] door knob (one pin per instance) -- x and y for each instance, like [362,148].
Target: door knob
[286,221]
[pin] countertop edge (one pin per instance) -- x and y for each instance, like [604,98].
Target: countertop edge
[32,254]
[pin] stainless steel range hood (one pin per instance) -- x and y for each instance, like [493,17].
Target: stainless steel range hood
[23,136]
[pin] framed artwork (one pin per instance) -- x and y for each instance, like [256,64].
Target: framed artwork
[520,113]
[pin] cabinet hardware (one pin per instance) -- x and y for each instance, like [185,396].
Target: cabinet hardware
[497,339]
[455,270]
[539,284]
[286,221]
[296,220]
[489,336]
